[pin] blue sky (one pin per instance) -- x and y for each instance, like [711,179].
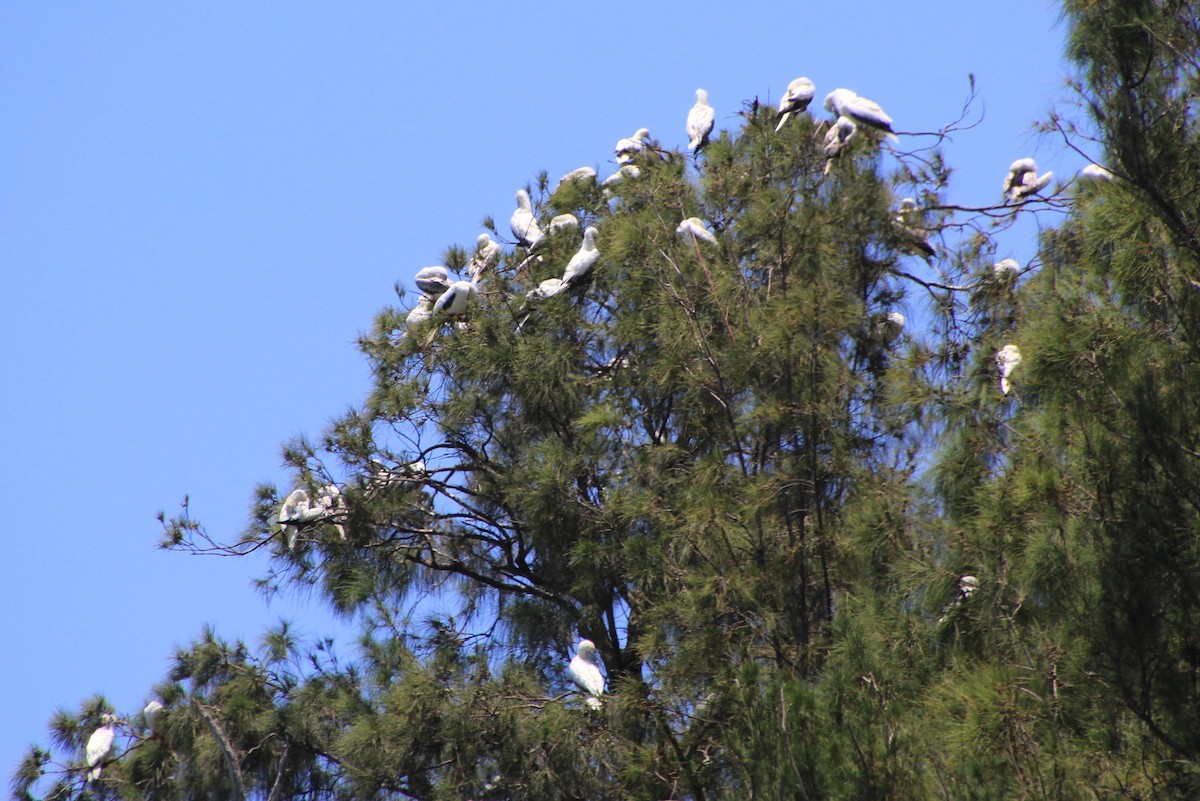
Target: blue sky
[203,204]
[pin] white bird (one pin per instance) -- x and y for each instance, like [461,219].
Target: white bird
[845,103]
[151,714]
[912,236]
[524,224]
[295,512]
[420,314]
[585,672]
[1094,172]
[630,146]
[692,230]
[577,174]
[433,281]
[584,259]
[485,258]
[329,499]
[629,171]
[100,745]
[546,289]
[838,138]
[797,97]
[456,299]
[381,477]
[889,327]
[700,121]
[1022,180]
[967,586]
[1007,359]
[1006,269]
[562,221]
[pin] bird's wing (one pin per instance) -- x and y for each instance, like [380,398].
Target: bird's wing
[587,676]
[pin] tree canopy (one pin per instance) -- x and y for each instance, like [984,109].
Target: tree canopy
[772,473]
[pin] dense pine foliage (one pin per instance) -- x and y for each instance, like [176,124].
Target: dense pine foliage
[822,555]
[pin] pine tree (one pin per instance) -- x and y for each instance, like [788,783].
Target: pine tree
[821,553]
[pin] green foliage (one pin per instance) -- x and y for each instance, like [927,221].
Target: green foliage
[820,557]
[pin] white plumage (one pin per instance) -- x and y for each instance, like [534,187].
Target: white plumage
[433,281]
[333,506]
[908,229]
[585,672]
[151,714]
[546,289]
[692,230]
[967,586]
[100,746]
[577,174]
[890,327]
[294,512]
[1094,172]
[584,259]
[485,258]
[524,224]
[1022,180]
[630,146]
[796,99]
[1007,359]
[845,103]
[838,138]
[456,299]
[1006,269]
[420,314]
[628,171]
[561,222]
[700,121]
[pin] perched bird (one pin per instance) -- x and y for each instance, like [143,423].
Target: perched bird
[151,714]
[1007,359]
[524,224]
[629,171]
[630,146]
[562,221]
[485,258]
[585,672]
[700,122]
[381,477]
[912,236]
[837,139]
[433,281]
[455,299]
[797,97]
[692,230]
[100,745]
[295,512]
[584,259]
[1022,180]
[966,588]
[577,174]
[887,328]
[1006,269]
[845,103]
[546,289]
[331,502]
[1094,172]
[420,314]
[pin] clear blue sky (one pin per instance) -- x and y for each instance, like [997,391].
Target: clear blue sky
[203,204]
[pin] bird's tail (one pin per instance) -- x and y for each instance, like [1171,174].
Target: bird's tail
[782,119]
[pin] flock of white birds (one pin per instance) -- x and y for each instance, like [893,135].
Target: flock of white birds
[443,298]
